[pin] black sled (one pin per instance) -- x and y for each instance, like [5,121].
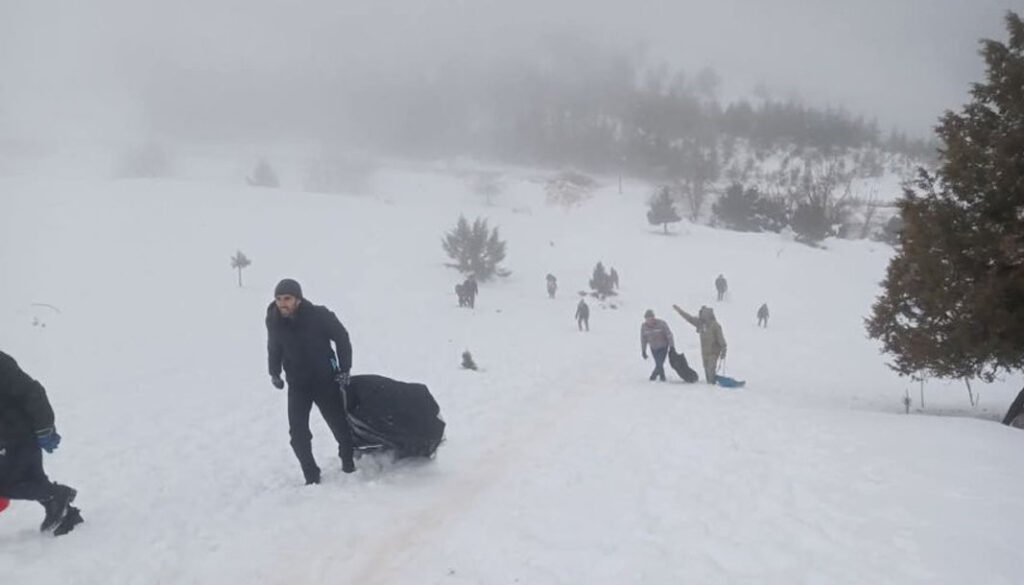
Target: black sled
[678,363]
[388,415]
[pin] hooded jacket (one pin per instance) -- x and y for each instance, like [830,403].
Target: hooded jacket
[712,340]
[301,344]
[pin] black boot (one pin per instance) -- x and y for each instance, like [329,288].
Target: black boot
[71,519]
[56,506]
[311,473]
[348,465]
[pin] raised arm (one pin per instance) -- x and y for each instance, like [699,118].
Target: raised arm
[693,320]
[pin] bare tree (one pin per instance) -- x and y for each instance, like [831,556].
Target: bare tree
[238,262]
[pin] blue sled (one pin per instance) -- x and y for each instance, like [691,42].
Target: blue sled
[727,382]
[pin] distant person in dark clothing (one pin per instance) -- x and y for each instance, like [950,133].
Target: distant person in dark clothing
[721,286]
[614,277]
[299,336]
[655,333]
[552,285]
[460,292]
[762,316]
[583,315]
[470,289]
[26,430]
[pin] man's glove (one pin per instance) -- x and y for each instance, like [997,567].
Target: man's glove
[341,378]
[277,382]
[48,439]
[644,354]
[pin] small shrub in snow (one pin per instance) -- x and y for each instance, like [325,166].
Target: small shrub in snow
[263,176]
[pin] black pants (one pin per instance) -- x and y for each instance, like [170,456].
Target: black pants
[328,399]
[582,322]
[21,473]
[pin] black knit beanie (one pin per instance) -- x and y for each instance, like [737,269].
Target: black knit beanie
[288,287]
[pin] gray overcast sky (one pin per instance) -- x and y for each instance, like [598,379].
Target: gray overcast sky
[81,63]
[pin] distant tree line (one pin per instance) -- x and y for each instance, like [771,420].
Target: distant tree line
[604,111]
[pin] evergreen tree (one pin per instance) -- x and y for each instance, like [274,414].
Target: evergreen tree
[477,249]
[663,210]
[953,299]
[771,214]
[737,208]
[810,223]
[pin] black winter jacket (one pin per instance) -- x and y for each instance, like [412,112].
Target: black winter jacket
[24,408]
[302,344]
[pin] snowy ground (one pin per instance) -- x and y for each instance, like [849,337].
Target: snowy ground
[563,464]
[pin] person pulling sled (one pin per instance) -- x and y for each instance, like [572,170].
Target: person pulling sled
[299,336]
[712,340]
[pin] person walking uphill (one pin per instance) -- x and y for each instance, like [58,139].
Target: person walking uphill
[299,336]
[721,285]
[712,340]
[583,315]
[26,430]
[656,333]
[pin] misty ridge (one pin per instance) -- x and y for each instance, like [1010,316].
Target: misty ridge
[569,102]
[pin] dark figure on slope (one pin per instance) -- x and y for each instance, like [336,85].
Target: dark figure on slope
[467,292]
[552,285]
[460,292]
[656,333]
[762,316]
[613,276]
[583,315]
[721,286]
[470,289]
[712,340]
[299,336]
[26,429]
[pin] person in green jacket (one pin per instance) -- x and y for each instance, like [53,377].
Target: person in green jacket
[712,340]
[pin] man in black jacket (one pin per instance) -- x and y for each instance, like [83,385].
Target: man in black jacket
[299,336]
[26,428]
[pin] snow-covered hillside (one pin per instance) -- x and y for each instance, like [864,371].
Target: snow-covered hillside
[562,464]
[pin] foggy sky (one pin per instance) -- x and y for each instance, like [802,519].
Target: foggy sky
[84,70]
